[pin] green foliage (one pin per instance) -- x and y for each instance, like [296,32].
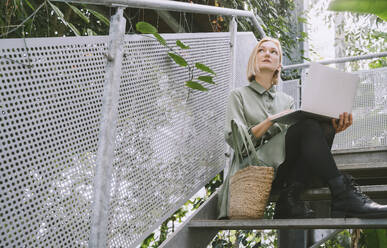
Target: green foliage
[375,238]
[278,20]
[207,79]
[160,39]
[100,17]
[43,18]
[340,240]
[204,68]
[195,85]
[61,17]
[377,7]
[155,241]
[378,63]
[362,34]
[148,241]
[79,13]
[178,59]
[145,28]
[182,45]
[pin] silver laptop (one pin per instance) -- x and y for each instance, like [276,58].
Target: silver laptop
[326,93]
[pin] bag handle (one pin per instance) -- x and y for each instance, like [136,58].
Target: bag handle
[239,133]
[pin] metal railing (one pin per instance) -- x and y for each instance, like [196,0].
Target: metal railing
[177,6]
[338,60]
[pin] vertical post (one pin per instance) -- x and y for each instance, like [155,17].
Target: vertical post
[106,146]
[233,46]
[233,43]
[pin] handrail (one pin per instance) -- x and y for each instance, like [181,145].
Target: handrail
[177,6]
[337,60]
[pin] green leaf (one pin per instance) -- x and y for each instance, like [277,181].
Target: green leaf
[204,68]
[377,7]
[382,237]
[207,79]
[195,85]
[79,13]
[57,11]
[73,28]
[301,19]
[145,28]
[182,45]
[29,4]
[178,59]
[100,17]
[160,39]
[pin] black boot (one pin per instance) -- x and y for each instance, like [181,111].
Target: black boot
[290,206]
[348,201]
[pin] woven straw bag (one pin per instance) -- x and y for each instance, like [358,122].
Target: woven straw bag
[249,188]
[249,192]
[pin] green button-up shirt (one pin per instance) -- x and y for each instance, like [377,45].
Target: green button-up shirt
[248,106]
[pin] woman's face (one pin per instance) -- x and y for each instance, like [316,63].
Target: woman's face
[268,57]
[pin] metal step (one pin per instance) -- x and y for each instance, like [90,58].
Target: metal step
[361,155]
[325,223]
[373,191]
[367,173]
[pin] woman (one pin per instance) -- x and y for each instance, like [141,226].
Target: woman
[296,152]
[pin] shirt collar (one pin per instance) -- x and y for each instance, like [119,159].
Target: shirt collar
[261,90]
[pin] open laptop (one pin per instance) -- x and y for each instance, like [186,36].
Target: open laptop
[326,93]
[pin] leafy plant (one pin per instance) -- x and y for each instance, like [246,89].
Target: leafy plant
[147,28]
[377,7]
[43,18]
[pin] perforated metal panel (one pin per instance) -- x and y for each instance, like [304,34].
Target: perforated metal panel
[169,142]
[49,123]
[168,145]
[369,128]
[292,88]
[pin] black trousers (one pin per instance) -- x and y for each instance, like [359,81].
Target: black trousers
[308,146]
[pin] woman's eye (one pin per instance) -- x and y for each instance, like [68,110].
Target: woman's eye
[274,52]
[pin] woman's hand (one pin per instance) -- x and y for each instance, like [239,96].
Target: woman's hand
[263,126]
[343,123]
[272,117]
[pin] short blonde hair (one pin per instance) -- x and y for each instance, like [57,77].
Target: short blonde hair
[252,68]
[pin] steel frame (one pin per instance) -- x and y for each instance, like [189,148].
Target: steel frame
[177,6]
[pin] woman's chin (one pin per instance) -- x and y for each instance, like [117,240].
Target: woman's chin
[266,68]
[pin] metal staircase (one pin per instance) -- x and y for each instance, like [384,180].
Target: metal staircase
[368,166]
[95,150]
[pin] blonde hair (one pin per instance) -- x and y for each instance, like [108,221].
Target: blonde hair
[252,68]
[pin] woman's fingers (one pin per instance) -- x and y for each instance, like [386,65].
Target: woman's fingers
[343,122]
[347,121]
